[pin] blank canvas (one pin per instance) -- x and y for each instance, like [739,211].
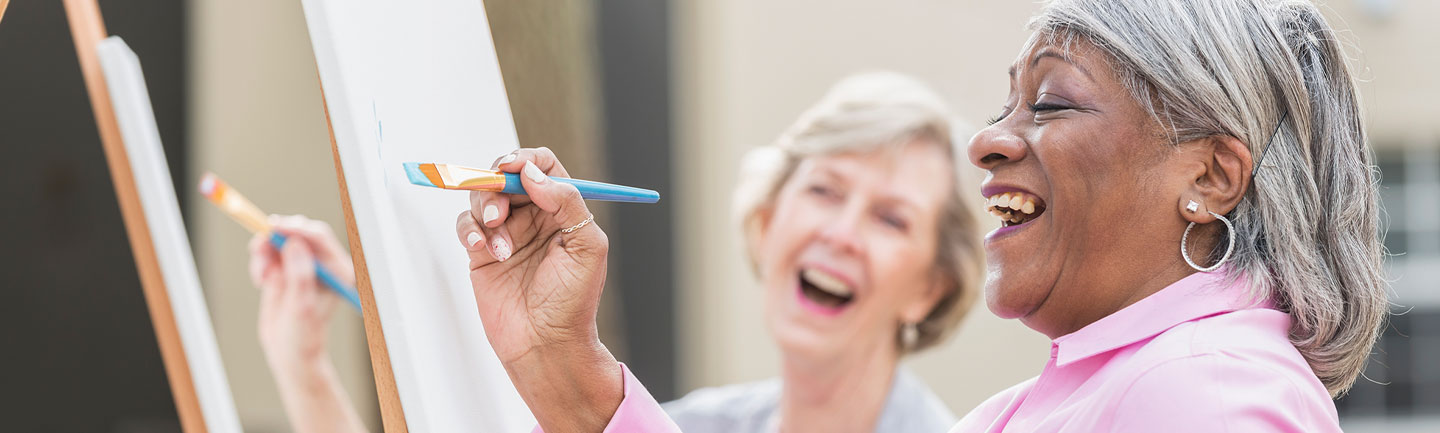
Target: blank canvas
[419,81]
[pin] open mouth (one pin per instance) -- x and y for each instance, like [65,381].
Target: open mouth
[1015,208]
[825,290]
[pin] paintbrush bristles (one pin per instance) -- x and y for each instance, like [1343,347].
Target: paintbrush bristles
[235,205]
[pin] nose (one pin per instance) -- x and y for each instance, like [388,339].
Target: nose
[994,146]
[843,233]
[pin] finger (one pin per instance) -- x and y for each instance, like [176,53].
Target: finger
[501,244]
[559,199]
[472,238]
[270,294]
[262,257]
[299,268]
[542,157]
[504,159]
[491,209]
[321,240]
[318,233]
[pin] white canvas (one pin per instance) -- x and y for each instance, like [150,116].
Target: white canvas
[133,113]
[419,81]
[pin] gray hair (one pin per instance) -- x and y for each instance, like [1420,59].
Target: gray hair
[865,113]
[1307,233]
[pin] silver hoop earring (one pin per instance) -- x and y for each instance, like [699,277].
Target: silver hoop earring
[909,335]
[1184,252]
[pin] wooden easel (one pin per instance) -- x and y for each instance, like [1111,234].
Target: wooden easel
[88,29]
[392,415]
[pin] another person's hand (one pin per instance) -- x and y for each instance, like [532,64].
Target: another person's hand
[295,307]
[538,288]
[294,313]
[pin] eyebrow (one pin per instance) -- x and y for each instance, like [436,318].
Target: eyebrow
[834,176]
[1051,52]
[900,202]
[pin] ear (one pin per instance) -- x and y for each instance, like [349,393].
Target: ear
[917,308]
[755,231]
[1219,170]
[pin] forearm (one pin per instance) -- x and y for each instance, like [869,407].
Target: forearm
[314,398]
[571,390]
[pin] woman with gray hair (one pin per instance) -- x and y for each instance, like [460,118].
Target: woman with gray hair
[1188,211]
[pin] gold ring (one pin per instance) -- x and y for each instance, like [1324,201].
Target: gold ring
[573,228]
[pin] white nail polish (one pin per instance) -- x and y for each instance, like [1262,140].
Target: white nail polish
[472,239]
[533,172]
[508,159]
[491,213]
[502,249]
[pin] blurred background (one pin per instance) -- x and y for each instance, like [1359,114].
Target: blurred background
[664,94]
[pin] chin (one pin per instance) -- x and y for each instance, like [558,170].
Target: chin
[795,344]
[1010,299]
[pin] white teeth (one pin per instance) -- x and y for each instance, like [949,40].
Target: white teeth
[1012,206]
[828,283]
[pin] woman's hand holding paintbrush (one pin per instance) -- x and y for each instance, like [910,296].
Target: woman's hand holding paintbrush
[537,266]
[294,313]
[294,307]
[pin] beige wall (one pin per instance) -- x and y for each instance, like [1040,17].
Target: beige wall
[1396,58]
[746,69]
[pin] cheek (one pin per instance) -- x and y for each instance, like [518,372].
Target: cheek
[781,242]
[900,272]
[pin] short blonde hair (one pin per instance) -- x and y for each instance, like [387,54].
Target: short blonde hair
[865,113]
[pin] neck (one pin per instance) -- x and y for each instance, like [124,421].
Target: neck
[1057,317]
[837,395]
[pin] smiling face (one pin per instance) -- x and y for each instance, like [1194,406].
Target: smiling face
[1083,180]
[848,250]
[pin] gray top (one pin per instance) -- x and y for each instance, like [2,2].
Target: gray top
[751,408]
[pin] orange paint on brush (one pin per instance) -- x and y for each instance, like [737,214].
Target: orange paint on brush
[432,174]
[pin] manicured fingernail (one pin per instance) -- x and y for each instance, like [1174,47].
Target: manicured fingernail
[472,239]
[502,249]
[491,213]
[533,172]
[508,159]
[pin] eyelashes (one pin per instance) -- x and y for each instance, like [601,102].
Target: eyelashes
[1003,113]
[1036,108]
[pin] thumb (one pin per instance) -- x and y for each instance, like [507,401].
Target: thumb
[299,264]
[561,200]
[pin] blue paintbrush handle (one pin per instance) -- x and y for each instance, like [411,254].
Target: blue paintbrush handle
[278,240]
[590,190]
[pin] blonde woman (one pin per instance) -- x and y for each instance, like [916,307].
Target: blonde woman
[1188,209]
[856,227]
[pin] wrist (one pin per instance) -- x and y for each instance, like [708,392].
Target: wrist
[574,387]
[301,369]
